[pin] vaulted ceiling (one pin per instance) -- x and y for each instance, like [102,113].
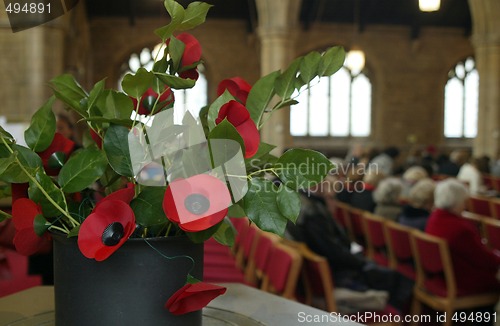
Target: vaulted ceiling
[453,13]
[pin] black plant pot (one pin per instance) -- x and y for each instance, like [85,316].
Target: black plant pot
[129,288]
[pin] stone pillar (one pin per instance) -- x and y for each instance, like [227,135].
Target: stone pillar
[278,21]
[30,58]
[486,42]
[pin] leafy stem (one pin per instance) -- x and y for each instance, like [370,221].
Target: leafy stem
[3,213]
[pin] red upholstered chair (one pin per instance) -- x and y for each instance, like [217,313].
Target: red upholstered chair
[257,262]
[355,222]
[376,246]
[495,208]
[435,284]
[491,231]
[339,213]
[488,181]
[399,249]
[496,183]
[14,273]
[282,271]
[479,205]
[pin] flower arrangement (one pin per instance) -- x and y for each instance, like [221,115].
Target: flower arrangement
[141,173]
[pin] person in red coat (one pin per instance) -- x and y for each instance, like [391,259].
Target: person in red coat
[474,264]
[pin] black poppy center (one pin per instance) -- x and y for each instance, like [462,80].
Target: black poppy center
[112,234]
[197,204]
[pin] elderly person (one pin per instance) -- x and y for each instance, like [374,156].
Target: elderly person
[411,176]
[362,196]
[475,266]
[420,201]
[471,175]
[386,196]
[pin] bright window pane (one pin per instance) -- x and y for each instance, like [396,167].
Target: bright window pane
[471,100]
[340,98]
[298,116]
[453,108]
[361,107]
[461,101]
[318,104]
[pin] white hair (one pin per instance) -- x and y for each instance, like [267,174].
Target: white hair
[422,193]
[388,191]
[450,193]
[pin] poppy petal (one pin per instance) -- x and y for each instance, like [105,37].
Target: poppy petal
[193,297]
[28,243]
[251,137]
[24,211]
[192,49]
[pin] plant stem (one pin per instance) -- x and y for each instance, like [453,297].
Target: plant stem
[5,214]
[53,227]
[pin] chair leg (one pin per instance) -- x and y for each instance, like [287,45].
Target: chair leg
[449,315]
[416,310]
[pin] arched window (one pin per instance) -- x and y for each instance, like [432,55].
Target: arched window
[191,100]
[338,106]
[461,100]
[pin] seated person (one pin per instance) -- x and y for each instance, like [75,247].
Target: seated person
[475,265]
[420,203]
[386,196]
[317,228]
[410,177]
[363,198]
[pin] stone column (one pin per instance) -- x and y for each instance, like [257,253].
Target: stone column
[30,58]
[486,42]
[278,21]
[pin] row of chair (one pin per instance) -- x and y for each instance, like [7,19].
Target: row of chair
[417,255]
[258,259]
[486,206]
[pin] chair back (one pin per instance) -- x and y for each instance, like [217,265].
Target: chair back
[399,248]
[479,205]
[355,223]
[491,230]
[282,271]
[247,246]
[340,213]
[316,277]
[258,259]
[495,208]
[376,245]
[433,264]
[488,181]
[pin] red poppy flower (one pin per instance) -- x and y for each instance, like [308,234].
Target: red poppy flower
[19,190]
[125,195]
[237,86]
[148,99]
[196,203]
[238,115]
[191,55]
[56,154]
[193,297]
[106,229]
[27,242]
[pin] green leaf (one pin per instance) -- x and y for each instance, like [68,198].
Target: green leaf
[236,211]
[114,105]
[176,49]
[67,89]
[285,83]
[40,225]
[225,130]
[202,236]
[264,149]
[40,133]
[213,110]
[309,66]
[260,95]
[74,232]
[226,233]
[116,147]
[6,135]
[300,169]
[195,14]
[288,203]
[261,206]
[175,82]
[331,61]
[10,171]
[136,85]
[285,104]
[122,122]
[82,169]
[94,94]
[176,12]
[147,207]
[36,194]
